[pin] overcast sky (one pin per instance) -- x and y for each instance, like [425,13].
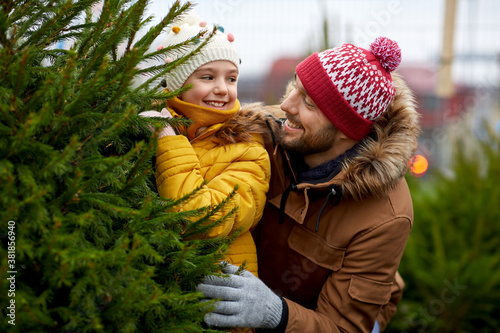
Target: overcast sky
[265,30]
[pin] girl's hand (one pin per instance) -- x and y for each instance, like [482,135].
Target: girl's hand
[167,130]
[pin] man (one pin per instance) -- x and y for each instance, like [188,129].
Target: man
[339,211]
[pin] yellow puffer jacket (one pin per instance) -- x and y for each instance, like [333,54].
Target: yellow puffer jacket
[216,163]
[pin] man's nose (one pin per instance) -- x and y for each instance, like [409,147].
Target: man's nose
[289,105]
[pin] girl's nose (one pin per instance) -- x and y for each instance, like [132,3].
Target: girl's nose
[220,87]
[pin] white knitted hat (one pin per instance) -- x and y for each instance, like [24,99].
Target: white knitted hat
[219,47]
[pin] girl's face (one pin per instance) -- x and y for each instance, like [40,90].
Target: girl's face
[214,85]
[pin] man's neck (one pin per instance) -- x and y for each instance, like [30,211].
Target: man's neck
[313,160]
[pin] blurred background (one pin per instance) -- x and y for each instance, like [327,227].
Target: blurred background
[450,49]
[451,60]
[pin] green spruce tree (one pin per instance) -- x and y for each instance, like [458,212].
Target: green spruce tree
[451,264]
[87,244]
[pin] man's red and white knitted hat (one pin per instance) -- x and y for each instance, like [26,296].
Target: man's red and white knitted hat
[350,85]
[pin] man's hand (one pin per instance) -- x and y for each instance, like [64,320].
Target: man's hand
[245,300]
[167,130]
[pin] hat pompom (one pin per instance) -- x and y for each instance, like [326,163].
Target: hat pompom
[387,52]
[190,18]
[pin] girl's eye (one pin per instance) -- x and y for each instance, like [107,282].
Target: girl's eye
[207,77]
[232,79]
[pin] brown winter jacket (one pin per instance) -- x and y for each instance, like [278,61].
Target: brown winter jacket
[340,278]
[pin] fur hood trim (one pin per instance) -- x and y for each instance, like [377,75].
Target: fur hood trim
[247,122]
[384,160]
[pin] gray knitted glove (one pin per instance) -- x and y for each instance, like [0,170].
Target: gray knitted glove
[245,301]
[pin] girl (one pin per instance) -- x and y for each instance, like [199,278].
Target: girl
[219,150]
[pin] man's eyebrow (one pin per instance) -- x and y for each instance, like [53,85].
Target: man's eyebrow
[302,89]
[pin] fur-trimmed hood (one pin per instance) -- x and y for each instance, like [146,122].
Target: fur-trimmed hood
[381,162]
[384,160]
[251,119]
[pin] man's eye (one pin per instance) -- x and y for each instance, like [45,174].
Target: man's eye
[308,103]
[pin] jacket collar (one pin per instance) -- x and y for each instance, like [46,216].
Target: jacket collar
[326,171]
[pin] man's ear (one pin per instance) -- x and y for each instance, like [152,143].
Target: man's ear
[341,137]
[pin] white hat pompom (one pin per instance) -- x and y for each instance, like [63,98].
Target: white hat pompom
[190,18]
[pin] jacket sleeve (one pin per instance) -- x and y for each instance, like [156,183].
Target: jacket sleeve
[389,309]
[246,165]
[352,297]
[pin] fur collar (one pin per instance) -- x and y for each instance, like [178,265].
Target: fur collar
[383,161]
[248,121]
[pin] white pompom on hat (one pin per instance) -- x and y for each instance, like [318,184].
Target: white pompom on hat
[219,47]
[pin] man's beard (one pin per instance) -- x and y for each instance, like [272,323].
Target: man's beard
[308,143]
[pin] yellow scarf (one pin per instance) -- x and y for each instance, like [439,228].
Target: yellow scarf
[202,117]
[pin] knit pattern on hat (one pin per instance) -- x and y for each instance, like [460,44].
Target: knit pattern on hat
[350,85]
[219,47]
